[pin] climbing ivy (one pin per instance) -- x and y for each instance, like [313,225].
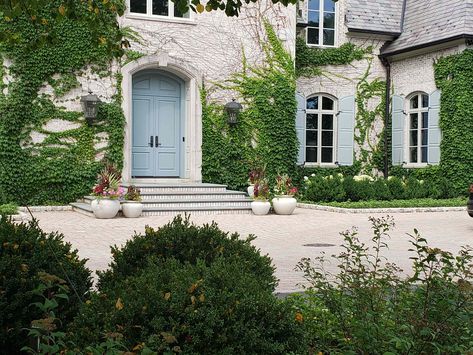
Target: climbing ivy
[454,77]
[310,60]
[266,133]
[370,143]
[63,165]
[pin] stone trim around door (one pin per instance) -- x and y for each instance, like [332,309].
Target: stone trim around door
[191,170]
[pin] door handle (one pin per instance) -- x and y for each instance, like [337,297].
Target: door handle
[150,141]
[156,141]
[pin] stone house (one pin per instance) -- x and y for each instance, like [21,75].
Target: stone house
[179,52]
[183,50]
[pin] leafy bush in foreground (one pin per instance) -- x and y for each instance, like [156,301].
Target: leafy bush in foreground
[173,307]
[186,242]
[25,252]
[367,308]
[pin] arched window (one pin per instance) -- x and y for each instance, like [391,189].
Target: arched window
[321,16]
[320,129]
[418,124]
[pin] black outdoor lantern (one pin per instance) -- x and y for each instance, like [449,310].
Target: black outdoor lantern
[90,106]
[233,109]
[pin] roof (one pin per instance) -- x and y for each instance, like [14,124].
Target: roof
[427,22]
[381,16]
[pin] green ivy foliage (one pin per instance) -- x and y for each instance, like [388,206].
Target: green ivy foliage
[63,166]
[454,77]
[265,134]
[309,60]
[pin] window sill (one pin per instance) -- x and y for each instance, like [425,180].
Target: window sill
[317,46]
[180,20]
[320,165]
[415,165]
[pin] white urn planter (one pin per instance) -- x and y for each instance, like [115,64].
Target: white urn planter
[251,190]
[284,204]
[260,208]
[104,208]
[132,209]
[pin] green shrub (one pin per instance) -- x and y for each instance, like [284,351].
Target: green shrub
[8,209]
[381,190]
[367,307]
[25,251]
[198,308]
[186,242]
[324,188]
[396,187]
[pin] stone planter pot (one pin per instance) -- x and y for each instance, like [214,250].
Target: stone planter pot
[132,209]
[251,191]
[105,208]
[260,208]
[284,204]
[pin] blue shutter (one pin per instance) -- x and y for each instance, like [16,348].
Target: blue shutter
[398,121]
[435,135]
[300,127]
[346,130]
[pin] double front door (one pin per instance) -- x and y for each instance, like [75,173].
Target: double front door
[156,127]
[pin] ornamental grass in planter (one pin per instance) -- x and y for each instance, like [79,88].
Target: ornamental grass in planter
[132,206]
[284,202]
[107,192]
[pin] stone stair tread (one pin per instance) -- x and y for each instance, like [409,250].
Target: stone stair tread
[88,208]
[177,185]
[162,200]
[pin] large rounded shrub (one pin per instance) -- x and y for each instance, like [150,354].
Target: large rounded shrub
[25,251]
[186,242]
[171,307]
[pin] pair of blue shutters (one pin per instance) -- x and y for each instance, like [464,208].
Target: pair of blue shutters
[345,129]
[399,123]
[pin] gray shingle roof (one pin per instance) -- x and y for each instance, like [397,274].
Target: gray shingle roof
[382,16]
[430,21]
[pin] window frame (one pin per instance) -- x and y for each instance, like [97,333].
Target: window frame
[321,28]
[150,16]
[319,112]
[407,134]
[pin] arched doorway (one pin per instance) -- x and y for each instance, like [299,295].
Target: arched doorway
[157,125]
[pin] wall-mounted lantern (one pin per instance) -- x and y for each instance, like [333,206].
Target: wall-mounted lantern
[90,106]
[233,108]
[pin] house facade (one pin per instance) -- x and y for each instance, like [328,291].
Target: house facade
[179,53]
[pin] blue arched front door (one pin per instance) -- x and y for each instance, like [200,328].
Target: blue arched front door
[156,128]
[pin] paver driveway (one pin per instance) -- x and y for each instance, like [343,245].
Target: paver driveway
[282,237]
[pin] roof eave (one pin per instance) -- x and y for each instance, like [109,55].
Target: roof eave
[374,32]
[426,45]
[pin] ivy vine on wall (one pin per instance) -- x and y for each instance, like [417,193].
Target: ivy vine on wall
[266,133]
[63,166]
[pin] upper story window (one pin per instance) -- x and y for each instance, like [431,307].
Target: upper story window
[155,8]
[319,129]
[418,121]
[321,22]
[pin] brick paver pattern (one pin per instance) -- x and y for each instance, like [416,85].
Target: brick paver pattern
[282,237]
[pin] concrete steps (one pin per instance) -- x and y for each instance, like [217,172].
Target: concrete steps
[169,199]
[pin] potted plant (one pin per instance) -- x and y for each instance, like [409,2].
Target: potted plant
[260,206]
[107,192]
[257,173]
[284,201]
[132,206]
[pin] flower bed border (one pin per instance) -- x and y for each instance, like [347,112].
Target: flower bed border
[379,210]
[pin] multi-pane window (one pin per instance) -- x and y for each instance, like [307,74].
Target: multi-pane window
[321,22]
[418,120]
[155,8]
[319,130]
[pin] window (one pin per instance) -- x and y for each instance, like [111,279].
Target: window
[321,22]
[155,8]
[319,130]
[418,123]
